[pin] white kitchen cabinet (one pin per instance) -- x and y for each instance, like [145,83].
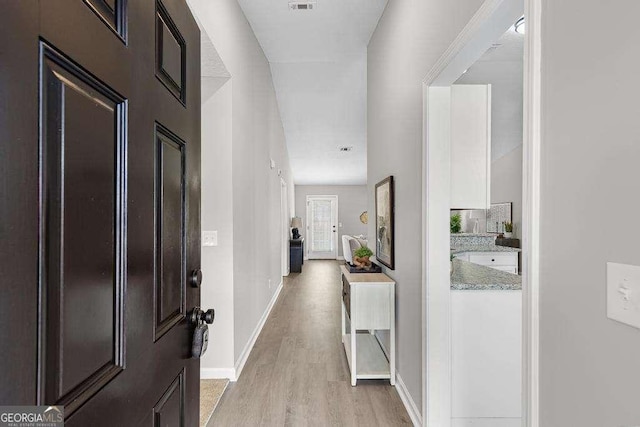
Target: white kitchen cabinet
[503,261]
[470,146]
[462,255]
[486,358]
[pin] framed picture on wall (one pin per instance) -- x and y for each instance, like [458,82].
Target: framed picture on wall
[385,232]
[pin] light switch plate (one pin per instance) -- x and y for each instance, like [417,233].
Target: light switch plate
[209,238]
[623,293]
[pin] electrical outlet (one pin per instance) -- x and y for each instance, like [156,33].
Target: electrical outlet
[623,293]
[269,283]
[209,238]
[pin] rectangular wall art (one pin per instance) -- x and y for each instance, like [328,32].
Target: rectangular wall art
[385,233]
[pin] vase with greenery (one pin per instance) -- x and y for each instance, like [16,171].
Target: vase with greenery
[456,223]
[508,229]
[361,258]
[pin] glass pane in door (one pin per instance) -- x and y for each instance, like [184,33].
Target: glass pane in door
[322,238]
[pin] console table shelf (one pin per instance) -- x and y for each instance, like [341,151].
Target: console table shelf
[368,305]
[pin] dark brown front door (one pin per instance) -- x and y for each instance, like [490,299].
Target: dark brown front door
[100,209]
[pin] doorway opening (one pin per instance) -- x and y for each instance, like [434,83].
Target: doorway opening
[444,370]
[322,223]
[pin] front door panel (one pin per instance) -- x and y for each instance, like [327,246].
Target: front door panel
[171,281]
[100,219]
[82,235]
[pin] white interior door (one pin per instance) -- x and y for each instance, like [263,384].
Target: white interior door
[322,227]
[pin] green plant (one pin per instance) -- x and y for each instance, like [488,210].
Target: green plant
[363,252]
[456,223]
[508,227]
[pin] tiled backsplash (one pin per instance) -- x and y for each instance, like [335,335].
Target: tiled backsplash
[469,218]
[466,239]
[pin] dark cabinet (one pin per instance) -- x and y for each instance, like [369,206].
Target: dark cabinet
[296,255]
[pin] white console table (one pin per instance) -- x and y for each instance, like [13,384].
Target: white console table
[368,305]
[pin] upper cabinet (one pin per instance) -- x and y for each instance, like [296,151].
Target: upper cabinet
[470,146]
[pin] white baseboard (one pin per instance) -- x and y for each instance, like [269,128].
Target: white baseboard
[340,258]
[218,373]
[486,422]
[407,400]
[247,348]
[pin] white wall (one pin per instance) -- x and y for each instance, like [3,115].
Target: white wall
[506,185]
[506,80]
[409,39]
[352,201]
[589,193]
[256,137]
[217,214]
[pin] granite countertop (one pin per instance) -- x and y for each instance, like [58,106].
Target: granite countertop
[458,249]
[492,235]
[475,277]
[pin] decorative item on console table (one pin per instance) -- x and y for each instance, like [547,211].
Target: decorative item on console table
[361,258]
[362,263]
[385,232]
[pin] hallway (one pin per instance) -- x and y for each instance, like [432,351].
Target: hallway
[297,373]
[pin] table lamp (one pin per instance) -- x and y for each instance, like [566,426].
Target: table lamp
[296,223]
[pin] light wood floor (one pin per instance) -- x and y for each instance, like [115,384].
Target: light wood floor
[297,373]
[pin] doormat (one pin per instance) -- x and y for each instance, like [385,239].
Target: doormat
[210,393]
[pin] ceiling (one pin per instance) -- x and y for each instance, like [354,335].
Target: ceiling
[509,47]
[319,66]
[212,69]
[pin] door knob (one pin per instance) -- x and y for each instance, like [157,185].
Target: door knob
[196,278]
[201,320]
[199,316]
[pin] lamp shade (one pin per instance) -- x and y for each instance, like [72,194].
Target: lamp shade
[296,222]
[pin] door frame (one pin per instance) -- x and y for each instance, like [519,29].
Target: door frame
[335,213]
[436,301]
[284,227]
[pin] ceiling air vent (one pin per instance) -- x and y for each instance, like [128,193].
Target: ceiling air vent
[306,5]
[344,149]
